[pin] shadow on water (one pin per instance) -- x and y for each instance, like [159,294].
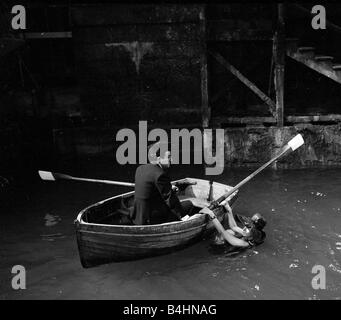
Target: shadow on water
[302,208]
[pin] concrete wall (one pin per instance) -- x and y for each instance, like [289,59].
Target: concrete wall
[254,146]
[142,62]
[243,146]
[138,62]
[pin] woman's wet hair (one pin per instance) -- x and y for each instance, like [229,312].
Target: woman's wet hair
[258,236]
[259,221]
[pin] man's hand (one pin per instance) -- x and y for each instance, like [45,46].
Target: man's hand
[183,184]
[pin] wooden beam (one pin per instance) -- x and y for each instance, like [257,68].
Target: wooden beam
[237,36]
[48,35]
[245,80]
[315,65]
[317,118]
[332,118]
[206,112]
[279,52]
[271,73]
[243,120]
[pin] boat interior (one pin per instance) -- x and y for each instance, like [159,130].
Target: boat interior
[116,210]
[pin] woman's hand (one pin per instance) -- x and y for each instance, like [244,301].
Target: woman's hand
[207,211]
[246,232]
[175,189]
[226,205]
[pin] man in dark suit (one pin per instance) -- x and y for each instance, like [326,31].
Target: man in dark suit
[155,197]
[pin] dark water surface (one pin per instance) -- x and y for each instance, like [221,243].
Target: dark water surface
[302,207]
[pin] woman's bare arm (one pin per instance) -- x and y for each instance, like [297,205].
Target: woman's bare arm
[234,241]
[232,221]
[231,239]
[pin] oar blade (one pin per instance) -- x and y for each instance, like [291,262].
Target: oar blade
[296,142]
[46,175]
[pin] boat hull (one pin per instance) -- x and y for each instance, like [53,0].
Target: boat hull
[100,243]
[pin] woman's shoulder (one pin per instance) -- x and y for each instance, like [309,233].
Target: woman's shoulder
[256,237]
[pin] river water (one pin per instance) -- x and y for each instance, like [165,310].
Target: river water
[302,207]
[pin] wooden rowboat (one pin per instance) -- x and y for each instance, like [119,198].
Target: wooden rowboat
[101,239]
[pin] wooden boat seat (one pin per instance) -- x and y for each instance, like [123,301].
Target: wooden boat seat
[123,213]
[197,202]
[124,210]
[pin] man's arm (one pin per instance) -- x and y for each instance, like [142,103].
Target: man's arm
[164,186]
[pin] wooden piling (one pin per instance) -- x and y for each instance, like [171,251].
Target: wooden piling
[206,112]
[279,61]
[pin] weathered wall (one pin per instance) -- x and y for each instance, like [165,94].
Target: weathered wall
[254,146]
[243,146]
[143,61]
[138,62]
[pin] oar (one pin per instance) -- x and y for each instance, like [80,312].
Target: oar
[292,145]
[53,176]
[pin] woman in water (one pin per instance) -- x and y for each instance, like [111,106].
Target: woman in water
[249,236]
